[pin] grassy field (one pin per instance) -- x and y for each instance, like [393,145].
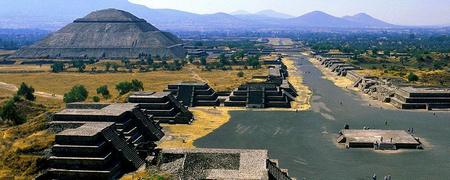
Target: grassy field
[60,83]
[24,68]
[22,147]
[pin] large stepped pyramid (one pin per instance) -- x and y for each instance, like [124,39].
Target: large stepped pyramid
[110,34]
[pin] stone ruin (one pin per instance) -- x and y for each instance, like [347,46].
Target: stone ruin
[421,98]
[163,106]
[338,66]
[273,91]
[378,139]
[106,34]
[101,143]
[105,141]
[193,94]
[220,164]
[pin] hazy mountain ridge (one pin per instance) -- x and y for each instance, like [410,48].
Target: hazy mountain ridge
[54,14]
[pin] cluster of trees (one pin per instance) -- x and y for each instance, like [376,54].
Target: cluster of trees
[125,87]
[79,93]
[9,111]
[225,62]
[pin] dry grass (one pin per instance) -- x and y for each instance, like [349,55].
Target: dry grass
[60,83]
[24,68]
[302,102]
[21,147]
[6,52]
[206,121]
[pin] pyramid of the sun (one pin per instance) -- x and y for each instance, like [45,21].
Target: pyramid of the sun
[109,33]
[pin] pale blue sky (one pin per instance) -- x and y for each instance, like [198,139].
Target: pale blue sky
[404,12]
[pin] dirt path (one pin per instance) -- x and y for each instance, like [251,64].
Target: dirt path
[12,87]
[195,75]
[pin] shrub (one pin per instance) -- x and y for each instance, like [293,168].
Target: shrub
[96,99]
[240,74]
[125,86]
[103,90]
[78,93]
[57,67]
[9,113]
[412,77]
[26,91]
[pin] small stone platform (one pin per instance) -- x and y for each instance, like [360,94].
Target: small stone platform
[379,139]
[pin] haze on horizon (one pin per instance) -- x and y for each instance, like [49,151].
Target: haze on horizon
[402,12]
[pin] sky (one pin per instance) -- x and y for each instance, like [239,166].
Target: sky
[401,12]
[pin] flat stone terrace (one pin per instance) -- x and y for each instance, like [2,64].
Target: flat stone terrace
[111,110]
[215,163]
[369,138]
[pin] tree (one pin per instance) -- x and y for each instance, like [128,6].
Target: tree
[123,87]
[57,67]
[412,77]
[191,59]
[78,93]
[115,67]
[240,74]
[203,61]
[253,61]
[107,66]
[9,113]
[26,91]
[79,64]
[149,60]
[103,90]
[137,85]
[223,59]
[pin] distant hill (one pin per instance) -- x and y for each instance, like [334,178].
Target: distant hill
[54,14]
[320,19]
[273,14]
[366,20]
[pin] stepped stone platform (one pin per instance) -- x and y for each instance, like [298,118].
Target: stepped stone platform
[193,94]
[220,164]
[274,91]
[163,106]
[91,151]
[130,123]
[101,141]
[378,139]
[260,95]
[421,98]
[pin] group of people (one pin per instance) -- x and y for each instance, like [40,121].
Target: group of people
[388,177]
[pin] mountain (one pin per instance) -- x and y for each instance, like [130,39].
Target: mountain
[54,14]
[273,14]
[320,19]
[367,20]
[240,12]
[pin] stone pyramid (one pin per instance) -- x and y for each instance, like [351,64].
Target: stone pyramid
[108,33]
